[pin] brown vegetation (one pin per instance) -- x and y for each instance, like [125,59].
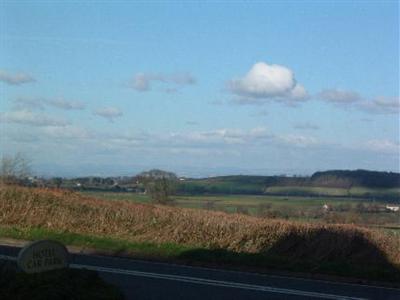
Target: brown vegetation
[72,212]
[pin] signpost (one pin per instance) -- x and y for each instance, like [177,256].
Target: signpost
[41,256]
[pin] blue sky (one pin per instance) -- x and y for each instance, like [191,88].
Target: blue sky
[113,87]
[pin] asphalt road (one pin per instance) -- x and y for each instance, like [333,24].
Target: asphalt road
[149,280]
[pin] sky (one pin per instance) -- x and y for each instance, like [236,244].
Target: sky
[110,88]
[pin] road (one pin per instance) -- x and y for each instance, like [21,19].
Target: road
[151,280]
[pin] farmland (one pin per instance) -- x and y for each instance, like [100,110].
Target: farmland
[183,234]
[305,209]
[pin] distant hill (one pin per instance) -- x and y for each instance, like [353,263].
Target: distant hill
[336,183]
[341,183]
[364,178]
[158,174]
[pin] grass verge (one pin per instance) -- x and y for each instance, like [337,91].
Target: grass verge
[169,252]
[105,244]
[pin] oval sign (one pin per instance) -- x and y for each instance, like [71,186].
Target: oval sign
[41,256]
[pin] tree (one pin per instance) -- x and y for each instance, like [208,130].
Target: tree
[160,190]
[14,169]
[57,181]
[160,185]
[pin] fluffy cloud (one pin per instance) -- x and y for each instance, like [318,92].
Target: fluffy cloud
[142,82]
[15,79]
[109,113]
[265,82]
[30,103]
[29,118]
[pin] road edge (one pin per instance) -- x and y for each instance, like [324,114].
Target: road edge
[81,250]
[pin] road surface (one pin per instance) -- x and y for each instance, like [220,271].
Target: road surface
[150,280]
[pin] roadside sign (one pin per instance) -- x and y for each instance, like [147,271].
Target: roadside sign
[43,255]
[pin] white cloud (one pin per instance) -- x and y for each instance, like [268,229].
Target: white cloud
[109,113]
[382,105]
[15,79]
[299,140]
[266,82]
[40,103]
[298,92]
[251,149]
[351,99]
[143,82]
[383,146]
[218,136]
[65,104]
[29,118]
[231,137]
[339,96]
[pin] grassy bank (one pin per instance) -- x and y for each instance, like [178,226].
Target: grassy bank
[195,235]
[167,252]
[107,244]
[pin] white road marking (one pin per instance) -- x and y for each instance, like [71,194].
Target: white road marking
[7,257]
[169,264]
[216,283]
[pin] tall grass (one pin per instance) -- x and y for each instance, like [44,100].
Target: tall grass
[67,211]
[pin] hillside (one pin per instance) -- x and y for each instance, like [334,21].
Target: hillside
[268,242]
[363,178]
[341,183]
[335,183]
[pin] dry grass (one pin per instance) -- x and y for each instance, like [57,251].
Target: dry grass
[72,212]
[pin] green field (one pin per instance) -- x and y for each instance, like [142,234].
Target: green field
[329,185]
[309,209]
[229,201]
[336,192]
